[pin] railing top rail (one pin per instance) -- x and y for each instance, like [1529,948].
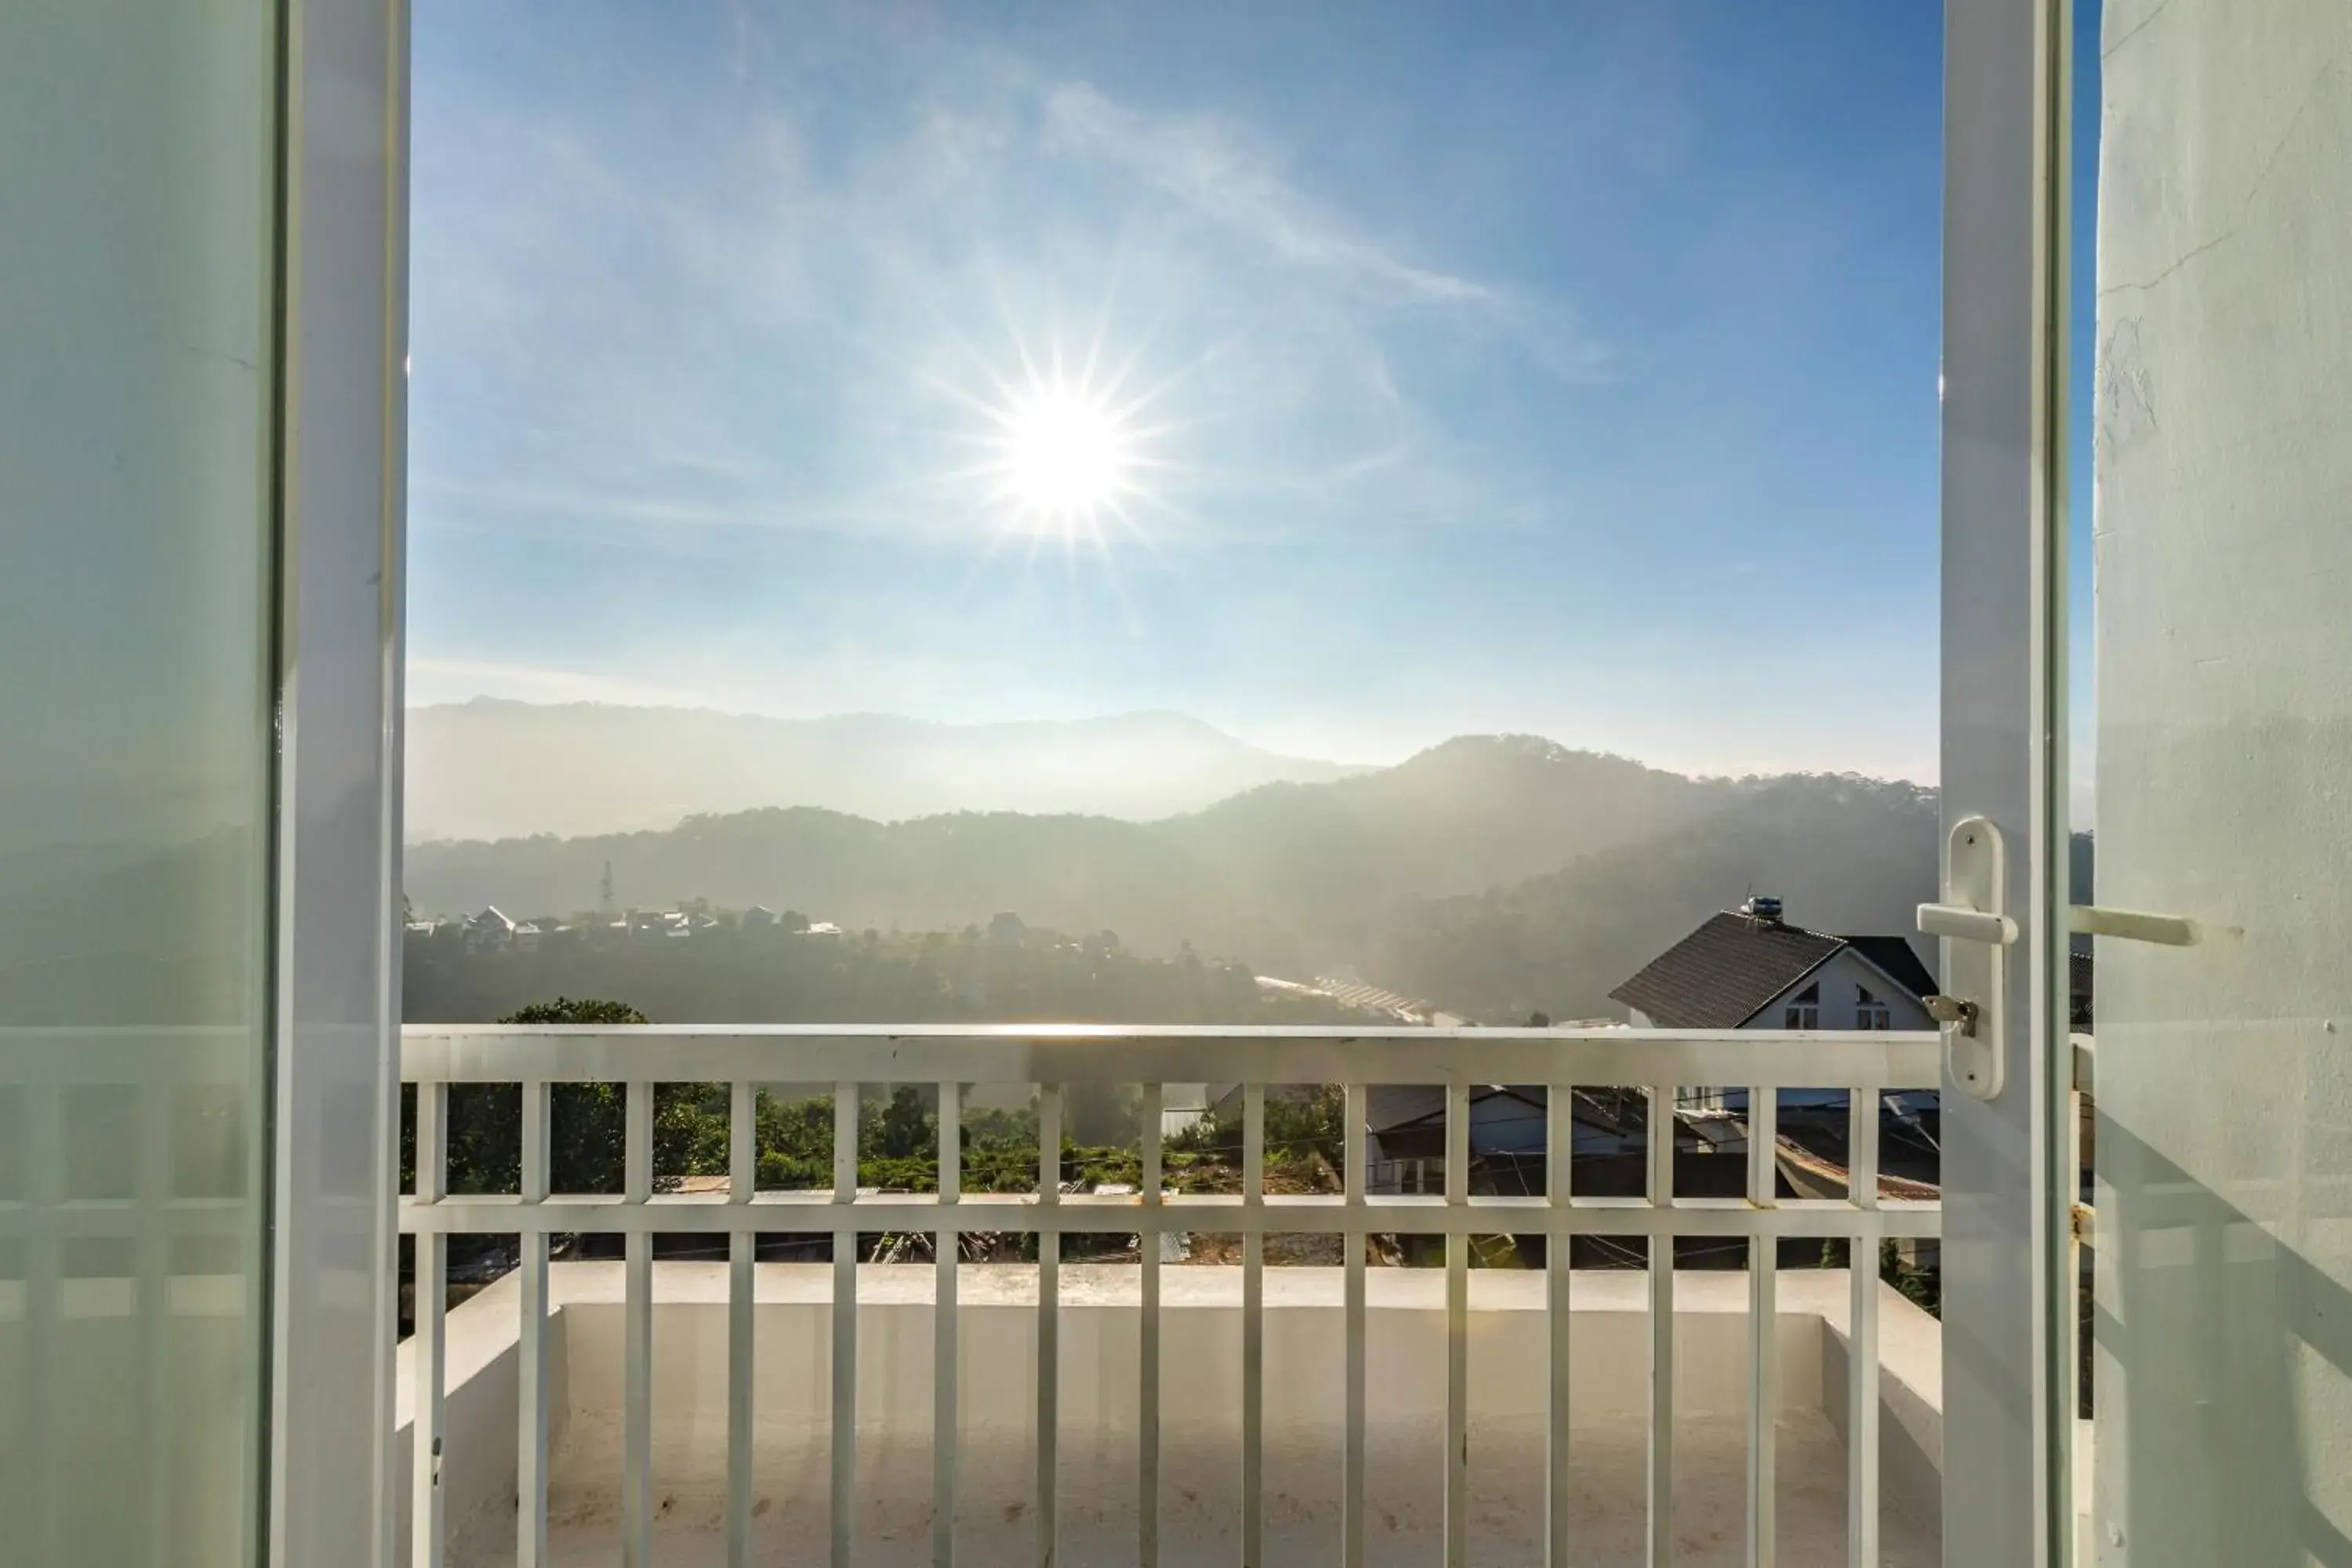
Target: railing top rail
[1126,1054]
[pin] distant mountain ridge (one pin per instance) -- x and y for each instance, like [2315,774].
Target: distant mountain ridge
[496,769]
[1493,875]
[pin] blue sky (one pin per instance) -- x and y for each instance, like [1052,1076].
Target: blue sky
[1563,367]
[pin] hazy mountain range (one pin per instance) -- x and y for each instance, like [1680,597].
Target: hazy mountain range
[493,769]
[1493,875]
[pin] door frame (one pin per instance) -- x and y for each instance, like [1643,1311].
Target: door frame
[340,470]
[2008,1341]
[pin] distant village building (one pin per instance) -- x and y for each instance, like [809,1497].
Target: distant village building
[489,929]
[657,923]
[529,933]
[1007,929]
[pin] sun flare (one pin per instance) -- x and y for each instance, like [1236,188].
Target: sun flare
[1076,450]
[1066,455]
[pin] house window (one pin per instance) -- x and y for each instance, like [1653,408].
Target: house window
[1804,1009]
[1869,1011]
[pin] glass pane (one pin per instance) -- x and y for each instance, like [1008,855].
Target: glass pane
[136,164]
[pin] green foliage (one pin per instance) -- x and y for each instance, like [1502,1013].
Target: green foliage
[898,1147]
[1918,1286]
[587,1122]
[1301,1128]
[564,1010]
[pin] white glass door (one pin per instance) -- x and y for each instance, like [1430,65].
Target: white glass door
[2221,1367]
[200,424]
[137,155]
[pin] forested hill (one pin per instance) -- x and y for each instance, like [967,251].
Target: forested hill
[1285,863]
[1492,875]
[1844,855]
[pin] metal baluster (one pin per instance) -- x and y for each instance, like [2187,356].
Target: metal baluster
[1862,1336]
[1253,1326]
[844,1323]
[1763,1331]
[1662,1328]
[945,1420]
[531,1383]
[429,1346]
[637,1335]
[1148,1244]
[1560,1155]
[1357,1240]
[1458,1325]
[742,1356]
[1049,1324]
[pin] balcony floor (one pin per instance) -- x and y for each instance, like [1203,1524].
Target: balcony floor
[1201,1501]
[1710,1522]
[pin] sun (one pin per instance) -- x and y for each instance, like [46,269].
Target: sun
[1066,454]
[1077,446]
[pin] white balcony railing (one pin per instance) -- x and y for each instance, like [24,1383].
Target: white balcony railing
[1660,1064]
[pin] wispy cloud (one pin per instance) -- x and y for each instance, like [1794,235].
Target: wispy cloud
[1224,170]
[652,327]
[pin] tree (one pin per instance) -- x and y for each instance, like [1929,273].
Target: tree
[588,1146]
[564,1010]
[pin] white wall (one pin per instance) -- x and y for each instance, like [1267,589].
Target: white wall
[1840,979]
[1836,982]
[2224,782]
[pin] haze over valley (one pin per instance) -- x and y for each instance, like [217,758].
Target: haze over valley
[495,769]
[1493,876]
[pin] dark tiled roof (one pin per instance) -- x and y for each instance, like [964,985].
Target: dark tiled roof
[1716,977]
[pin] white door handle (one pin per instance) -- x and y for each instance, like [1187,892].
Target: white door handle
[1977,935]
[2133,925]
[1964,922]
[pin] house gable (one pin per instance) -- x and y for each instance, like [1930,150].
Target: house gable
[1838,984]
[1716,977]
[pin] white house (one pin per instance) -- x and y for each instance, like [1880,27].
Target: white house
[1753,970]
[492,927]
